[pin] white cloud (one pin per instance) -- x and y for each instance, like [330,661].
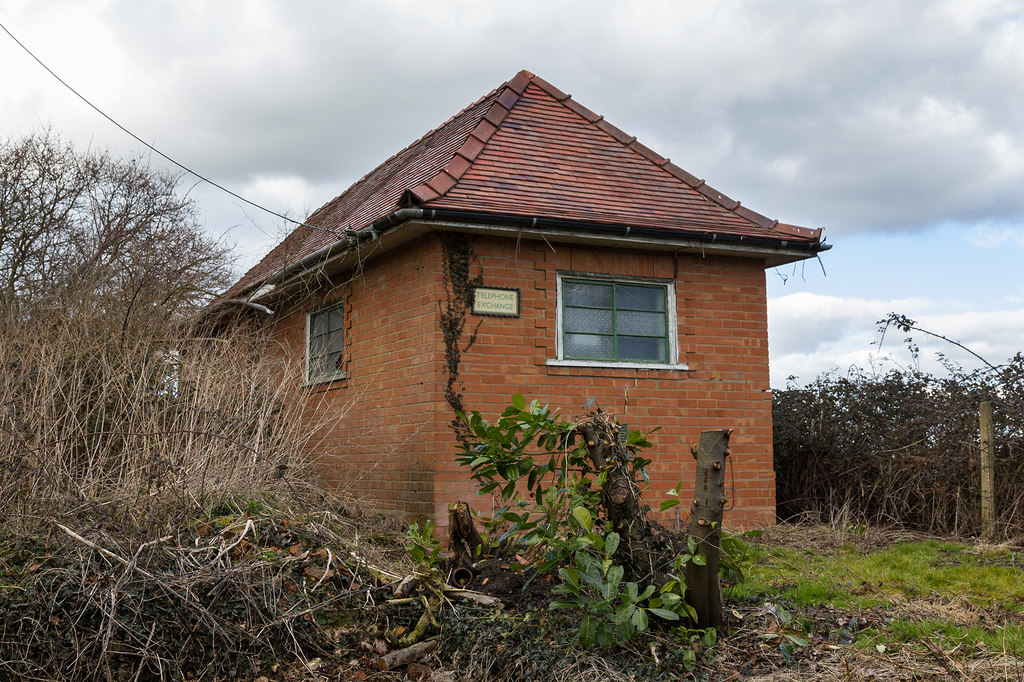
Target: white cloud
[810,334]
[994,236]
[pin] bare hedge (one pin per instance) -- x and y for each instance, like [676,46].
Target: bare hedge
[900,447]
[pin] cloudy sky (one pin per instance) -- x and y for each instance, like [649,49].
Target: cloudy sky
[896,126]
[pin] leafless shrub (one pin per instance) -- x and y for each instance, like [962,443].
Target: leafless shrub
[900,448]
[159,519]
[106,402]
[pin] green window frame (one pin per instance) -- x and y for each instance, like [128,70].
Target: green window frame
[615,321]
[325,344]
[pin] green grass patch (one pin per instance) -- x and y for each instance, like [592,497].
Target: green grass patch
[851,578]
[961,597]
[948,636]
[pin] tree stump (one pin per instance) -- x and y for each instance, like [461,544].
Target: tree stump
[703,588]
[464,539]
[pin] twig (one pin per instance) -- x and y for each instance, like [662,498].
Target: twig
[104,552]
[248,524]
[327,572]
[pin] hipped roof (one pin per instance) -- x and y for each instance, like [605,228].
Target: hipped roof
[528,150]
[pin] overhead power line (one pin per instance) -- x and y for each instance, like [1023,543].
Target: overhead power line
[157,151]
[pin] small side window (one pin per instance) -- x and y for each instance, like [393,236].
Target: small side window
[324,347]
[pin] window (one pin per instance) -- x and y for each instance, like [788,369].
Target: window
[324,348]
[616,322]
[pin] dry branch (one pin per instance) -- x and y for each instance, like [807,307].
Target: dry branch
[407,655]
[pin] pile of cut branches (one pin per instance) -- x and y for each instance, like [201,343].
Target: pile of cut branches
[231,597]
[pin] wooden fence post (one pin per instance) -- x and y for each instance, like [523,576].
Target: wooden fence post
[988,470]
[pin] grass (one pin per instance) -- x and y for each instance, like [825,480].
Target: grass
[959,596]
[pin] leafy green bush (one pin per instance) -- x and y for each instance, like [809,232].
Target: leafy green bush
[541,468]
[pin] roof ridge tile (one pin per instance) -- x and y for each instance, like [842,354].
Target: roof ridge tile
[692,180]
[615,132]
[520,81]
[648,153]
[559,95]
[476,140]
[755,217]
[718,197]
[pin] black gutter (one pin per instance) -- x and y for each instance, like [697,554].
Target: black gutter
[616,230]
[403,215]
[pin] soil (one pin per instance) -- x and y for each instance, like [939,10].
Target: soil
[523,589]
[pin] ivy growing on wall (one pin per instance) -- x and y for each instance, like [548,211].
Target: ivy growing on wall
[457,258]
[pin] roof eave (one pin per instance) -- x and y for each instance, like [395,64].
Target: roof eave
[407,223]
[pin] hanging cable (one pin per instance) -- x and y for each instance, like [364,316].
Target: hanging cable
[160,153]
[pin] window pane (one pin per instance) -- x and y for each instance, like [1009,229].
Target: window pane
[647,324]
[590,295]
[334,362]
[325,342]
[316,365]
[647,349]
[588,320]
[588,346]
[319,324]
[639,297]
[335,319]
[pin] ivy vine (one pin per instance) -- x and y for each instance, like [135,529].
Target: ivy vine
[457,258]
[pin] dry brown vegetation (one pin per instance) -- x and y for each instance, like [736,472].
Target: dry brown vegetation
[901,448]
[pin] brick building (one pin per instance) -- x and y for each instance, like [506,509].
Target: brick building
[526,245]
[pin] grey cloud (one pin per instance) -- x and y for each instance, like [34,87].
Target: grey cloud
[819,113]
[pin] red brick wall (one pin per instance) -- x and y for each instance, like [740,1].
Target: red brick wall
[394,446]
[377,431]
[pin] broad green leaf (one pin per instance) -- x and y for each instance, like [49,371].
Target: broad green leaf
[648,591]
[583,517]
[631,592]
[519,401]
[668,504]
[615,574]
[664,613]
[623,614]
[611,543]
[799,641]
[640,620]
[588,631]
[604,634]
[699,559]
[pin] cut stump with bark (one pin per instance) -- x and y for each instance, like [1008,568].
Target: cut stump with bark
[464,539]
[703,588]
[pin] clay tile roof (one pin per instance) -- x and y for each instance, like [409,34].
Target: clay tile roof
[528,149]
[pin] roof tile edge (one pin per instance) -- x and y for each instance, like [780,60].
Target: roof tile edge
[477,139]
[643,150]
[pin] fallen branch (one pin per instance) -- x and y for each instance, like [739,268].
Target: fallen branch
[407,655]
[478,597]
